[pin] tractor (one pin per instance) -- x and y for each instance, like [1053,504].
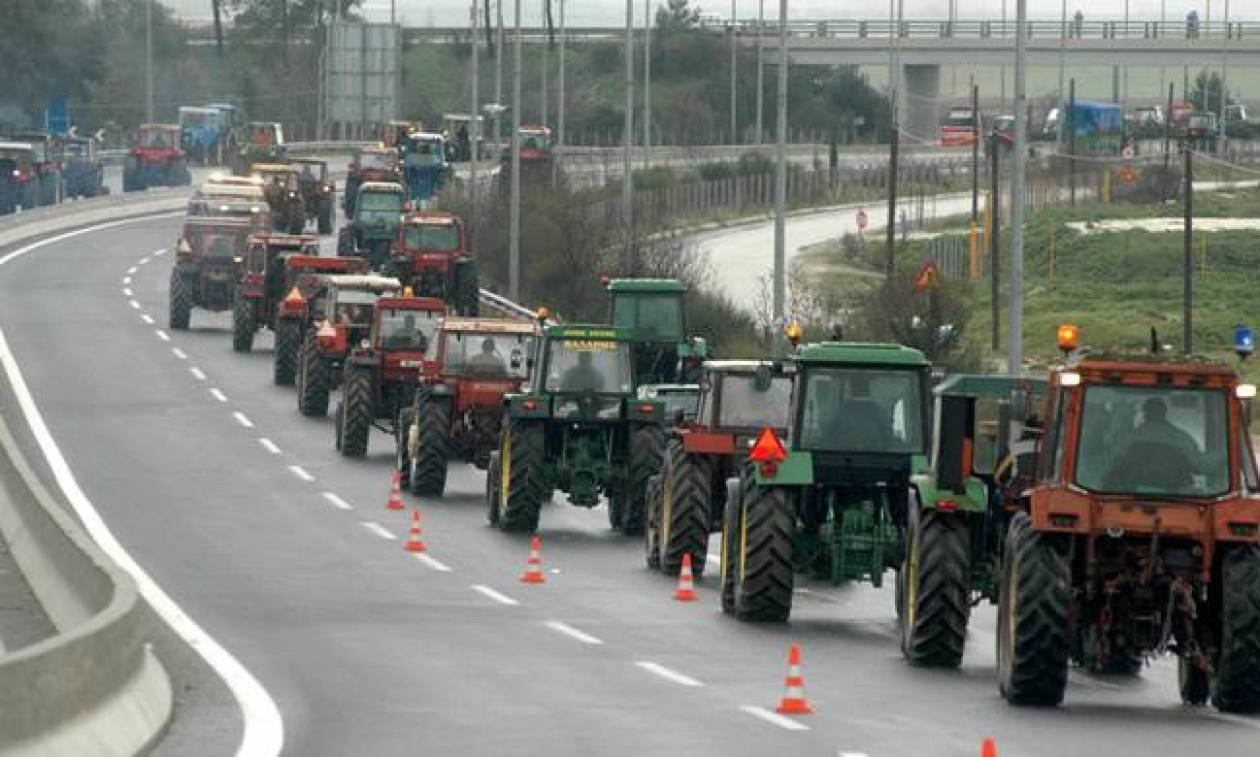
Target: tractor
[81,167]
[272,262]
[291,289]
[1140,533]
[19,181]
[431,255]
[536,157]
[231,197]
[370,230]
[208,257]
[318,193]
[201,131]
[738,398]
[156,159]
[457,412]
[652,311]
[381,372]
[280,183]
[828,498]
[960,508]
[46,163]
[257,142]
[338,313]
[424,165]
[370,164]
[576,427]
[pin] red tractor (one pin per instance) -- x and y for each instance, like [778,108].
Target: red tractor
[381,371]
[338,314]
[156,159]
[456,413]
[370,164]
[208,258]
[430,254]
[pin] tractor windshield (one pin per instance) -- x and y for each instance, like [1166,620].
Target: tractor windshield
[439,238]
[1154,441]
[384,160]
[652,317]
[156,138]
[862,410]
[585,365]
[484,354]
[408,329]
[424,153]
[743,404]
[381,202]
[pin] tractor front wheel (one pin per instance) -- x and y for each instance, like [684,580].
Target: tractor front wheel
[521,475]
[1193,682]
[312,381]
[288,345]
[1237,686]
[935,590]
[433,448]
[181,301]
[242,323]
[1033,610]
[684,510]
[764,573]
[357,411]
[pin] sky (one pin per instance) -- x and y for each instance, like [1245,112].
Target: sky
[612,12]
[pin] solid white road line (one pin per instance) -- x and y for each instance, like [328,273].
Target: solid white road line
[134,305]
[502,599]
[301,473]
[269,445]
[197,373]
[147,318]
[218,395]
[242,419]
[177,352]
[337,502]
[851,754]
[573,633]
[165,337]
[433,562]
[787,724]
[126,292]
[667,674]
[378,529]
[263,732]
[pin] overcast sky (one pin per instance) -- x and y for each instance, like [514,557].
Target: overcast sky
[612,12]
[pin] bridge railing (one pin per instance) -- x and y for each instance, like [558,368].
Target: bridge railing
[984,29]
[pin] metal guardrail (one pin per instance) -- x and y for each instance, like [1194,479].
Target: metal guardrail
[984,29]
[503,306]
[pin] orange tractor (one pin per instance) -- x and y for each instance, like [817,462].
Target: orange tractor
[430,254]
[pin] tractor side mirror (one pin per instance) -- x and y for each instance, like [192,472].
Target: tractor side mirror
[516,359]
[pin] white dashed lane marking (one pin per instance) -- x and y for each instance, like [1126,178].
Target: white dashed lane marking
[177,352]
[301,473]
[669,675]
[786,724]
[147,318]
[337,502]
[126,292]
[378,529]
[197,373]
[434,563]
[573,633]
[501,598]
[165,337]
[134,305]
[218,395]
[243,419]
[269,445]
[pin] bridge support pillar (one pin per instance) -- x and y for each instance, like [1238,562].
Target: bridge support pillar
[920,108]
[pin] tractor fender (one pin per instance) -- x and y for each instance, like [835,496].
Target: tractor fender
[527,406]
[797,469]
[439,391]
[928,496]
[362,359]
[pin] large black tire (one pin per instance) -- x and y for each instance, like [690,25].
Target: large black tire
[647,447]
[402,446]
[358,411]
[652,529]
[935,590]
[686,483]
[730,543]
[181,302]
[433,449]
[521,452]
[312,381]
[764,574]
[325,220]
[288,347]
[242,323]
[131,175]
[345,242]
[494,476]
[1033,643]
[1193,682]
[1237,685]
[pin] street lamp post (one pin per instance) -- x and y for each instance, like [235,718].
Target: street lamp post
[474,130]
[1015,335]
[780,181]
[761,28]
[734,124]
[148,60]
[647,80]
[514,220]
[560,86]
[627,141]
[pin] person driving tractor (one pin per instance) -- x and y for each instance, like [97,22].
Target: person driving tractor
[488,360]
[583,377]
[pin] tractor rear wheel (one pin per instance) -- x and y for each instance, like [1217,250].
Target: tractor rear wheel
[433,449]
[684,512]
[730,545]
[242,323]
[521,475]
[312,381]
[764,574]
[402,446]
[357,411]
[1237,682]
[1033,609]
[288,345]
[647,444]
[181,301]
[494,497]
[1193,682]
[935,590]
[652,528]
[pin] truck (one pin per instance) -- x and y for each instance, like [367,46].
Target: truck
[208,256]
[81,167]
[155,159]
[370,230]
[457,412]
[430,254]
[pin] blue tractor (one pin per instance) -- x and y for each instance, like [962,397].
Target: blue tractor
[424,165]
[201,132]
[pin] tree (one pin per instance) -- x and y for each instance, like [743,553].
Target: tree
[1207,91]
[47,48]
[677,16]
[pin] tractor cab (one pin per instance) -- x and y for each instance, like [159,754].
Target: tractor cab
[403,333]
[396,132]
[430,253]
[680,402]
[593,363]
[370,164]
[459,127]
[263,270]
[282,188]
[19,181]
[156,158]
[424,164]
[157,143]
[345,308]
[373,225]
[262,140]
[315,186]
[535,143]
[241,197]
[651,310]
[739,398]
[218,243]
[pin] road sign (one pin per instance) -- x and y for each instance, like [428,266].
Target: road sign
[862,220]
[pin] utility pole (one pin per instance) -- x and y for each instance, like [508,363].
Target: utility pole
[1015,334]
[995,232]
[647,81]
[498,77]
[546,46]
[894,148]
[761,30]
[1187,257]
[514,220]
[148,60]
[1063,33]
[734,125]
[560,105]
[780,182]
[1068,121]
[1002,97]
[1220,140]
[975,169]
[1168,142]
[628,263]
[474,136]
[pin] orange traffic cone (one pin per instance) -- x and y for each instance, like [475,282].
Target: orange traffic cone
[533,567]
[395,494]
[794,702]
[988,748]
[686,591]
[414,544]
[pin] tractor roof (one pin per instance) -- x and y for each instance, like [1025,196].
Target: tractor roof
[365,281]
[592,331]
[274,167]
[239,191]
[224,223]
[431,218]
[377,149]
[427,135]
[276,239]
[15,146]
[489,326]
[971,385]
[424,304]
[159,127]
[860,353]
[647,285]
[389,187]
[737,366]
[1144,368]
[649,391]
[228,180]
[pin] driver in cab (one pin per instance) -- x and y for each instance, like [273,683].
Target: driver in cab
[584,376]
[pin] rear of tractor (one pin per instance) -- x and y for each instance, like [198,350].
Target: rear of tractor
[537,169]
[19,179]
[685,502]
[1139,535]
[318,193]
[458,410]
[208,257]
[156,159]
[578,428]
[830,499]
[340,316]
[274,266]
[652,311]
[382,371]
[430,254]
[369,164]
[371,229]
[282,190]
[258,142]
[960,509]
[424,165]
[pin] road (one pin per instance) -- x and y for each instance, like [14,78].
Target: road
[284,553]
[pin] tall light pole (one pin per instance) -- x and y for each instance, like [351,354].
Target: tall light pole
[627,143]
[514,221]
[474,135]
[498,76]
[148,60]
[560,103]
[761,30]
[1015,336]
[647,80]
[780,181]
[1063,32]
[1224,92]
[545,47]
[734,124]
[1002,96]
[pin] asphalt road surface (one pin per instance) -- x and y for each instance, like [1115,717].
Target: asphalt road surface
[244,513]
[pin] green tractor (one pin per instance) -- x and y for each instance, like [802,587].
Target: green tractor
[959,511]
[577,427]
[832,500]
[652,311]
